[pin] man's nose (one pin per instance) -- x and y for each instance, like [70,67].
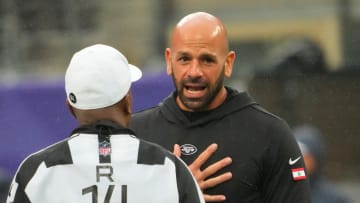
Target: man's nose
[195,70]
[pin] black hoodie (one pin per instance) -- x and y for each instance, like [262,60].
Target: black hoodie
[260,144]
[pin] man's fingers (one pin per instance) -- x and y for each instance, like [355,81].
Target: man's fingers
[204,156]
[202,175]
[211,182]
[214,198]
[213,168]
[177,150]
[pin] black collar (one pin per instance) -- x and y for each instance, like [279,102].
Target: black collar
[103,127]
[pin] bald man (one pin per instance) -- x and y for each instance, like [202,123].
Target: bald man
[255,158]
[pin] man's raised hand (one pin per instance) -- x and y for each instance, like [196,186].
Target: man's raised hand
[202,176]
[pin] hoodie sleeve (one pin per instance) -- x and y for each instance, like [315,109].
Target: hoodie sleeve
[285,177]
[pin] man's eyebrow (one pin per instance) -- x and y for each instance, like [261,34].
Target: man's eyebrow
[208,56]
[182,53]
[202,55]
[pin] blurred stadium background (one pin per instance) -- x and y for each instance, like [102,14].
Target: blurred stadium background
[299,59]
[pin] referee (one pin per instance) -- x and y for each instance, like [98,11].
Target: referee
[102,161]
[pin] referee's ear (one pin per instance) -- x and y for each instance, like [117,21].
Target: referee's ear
[70,108]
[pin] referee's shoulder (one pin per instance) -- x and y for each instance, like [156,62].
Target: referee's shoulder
[151,150]
[48,151]
[57,153]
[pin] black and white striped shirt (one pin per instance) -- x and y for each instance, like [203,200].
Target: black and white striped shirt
[103,163]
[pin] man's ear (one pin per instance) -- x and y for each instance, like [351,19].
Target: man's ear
[168,61]
[229,64]
[128,103]
[71,109]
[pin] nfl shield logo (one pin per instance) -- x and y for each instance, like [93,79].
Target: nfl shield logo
[104,148]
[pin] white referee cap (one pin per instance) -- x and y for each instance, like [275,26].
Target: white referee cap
[98,76]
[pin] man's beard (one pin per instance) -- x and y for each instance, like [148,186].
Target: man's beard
[199,104]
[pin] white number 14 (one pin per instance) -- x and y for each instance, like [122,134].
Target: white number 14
[94,191]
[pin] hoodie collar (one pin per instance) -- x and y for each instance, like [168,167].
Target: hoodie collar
[235,102]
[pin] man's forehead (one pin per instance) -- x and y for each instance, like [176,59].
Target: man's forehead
[197,34]
[194,53]
[211,40]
